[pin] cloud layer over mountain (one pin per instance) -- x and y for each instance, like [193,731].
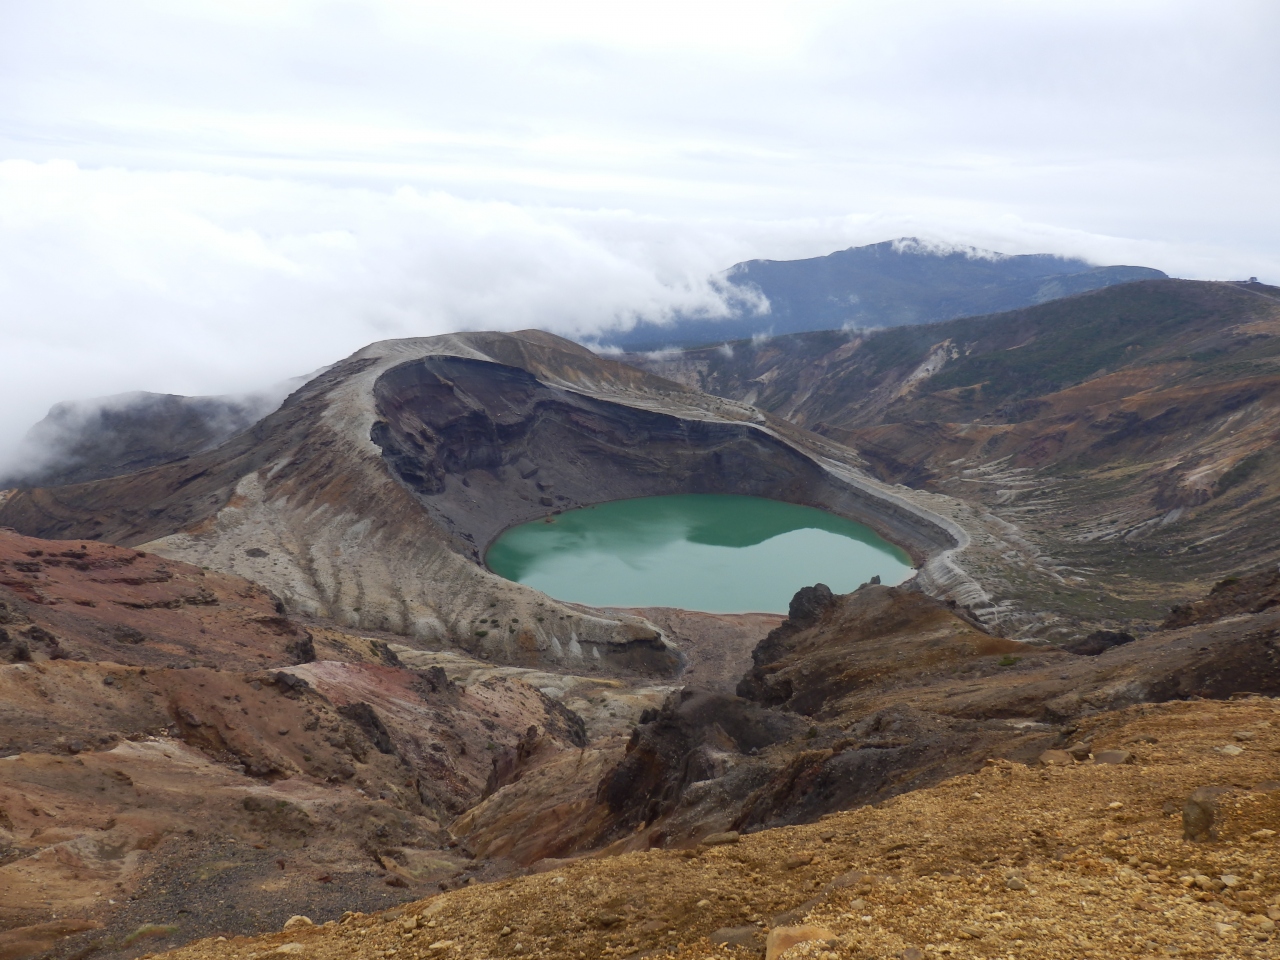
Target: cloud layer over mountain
[208,197]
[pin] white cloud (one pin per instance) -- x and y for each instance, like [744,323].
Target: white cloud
[203,283]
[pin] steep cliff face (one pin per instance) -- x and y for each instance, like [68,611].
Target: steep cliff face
[486,445]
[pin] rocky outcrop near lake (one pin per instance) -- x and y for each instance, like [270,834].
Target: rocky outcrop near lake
[854,699]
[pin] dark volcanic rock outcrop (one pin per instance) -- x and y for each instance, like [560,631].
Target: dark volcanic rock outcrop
[696,736]
[832,647]
[1234,595]
[878,692]
[1097,643]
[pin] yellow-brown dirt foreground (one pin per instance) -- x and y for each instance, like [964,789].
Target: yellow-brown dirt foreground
[1014,861]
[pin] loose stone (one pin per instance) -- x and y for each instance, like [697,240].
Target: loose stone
[782,939]
[735,936]
[1198,813]
[719,839]
[1057,758]
[1113,756]
[1079,751]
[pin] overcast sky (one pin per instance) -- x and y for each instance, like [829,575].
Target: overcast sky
[204,197]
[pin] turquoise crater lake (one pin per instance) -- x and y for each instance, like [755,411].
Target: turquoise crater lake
[712,552]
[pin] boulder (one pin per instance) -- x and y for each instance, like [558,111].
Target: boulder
[1199,813]
[1113,756]
[1097,643]
[748,936]
[721,839]
[782,939]
[1079,751]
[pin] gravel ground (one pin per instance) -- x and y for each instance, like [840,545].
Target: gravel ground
[201,890]
[1037,862]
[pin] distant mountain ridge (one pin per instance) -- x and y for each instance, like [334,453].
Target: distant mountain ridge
[83,440]
[112,436]
[890,284]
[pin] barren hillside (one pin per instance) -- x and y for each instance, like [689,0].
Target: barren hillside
[1122,442]
[275,678]
[1062,859]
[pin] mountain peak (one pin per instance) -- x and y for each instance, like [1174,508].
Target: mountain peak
[893,283]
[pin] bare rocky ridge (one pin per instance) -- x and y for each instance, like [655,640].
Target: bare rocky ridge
[856,699]
[411,455]
[885,691]
[1234,595]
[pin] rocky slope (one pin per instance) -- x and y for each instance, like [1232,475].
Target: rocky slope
[165,729]
[1086,859]
[177,749]
[1120,442]
[335,707]
[852,700]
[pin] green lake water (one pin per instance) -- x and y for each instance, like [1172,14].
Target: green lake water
[713,552]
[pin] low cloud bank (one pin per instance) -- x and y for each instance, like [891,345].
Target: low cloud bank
[187,283]
[194,283]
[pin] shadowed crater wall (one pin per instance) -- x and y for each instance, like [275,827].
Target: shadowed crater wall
[486,446]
